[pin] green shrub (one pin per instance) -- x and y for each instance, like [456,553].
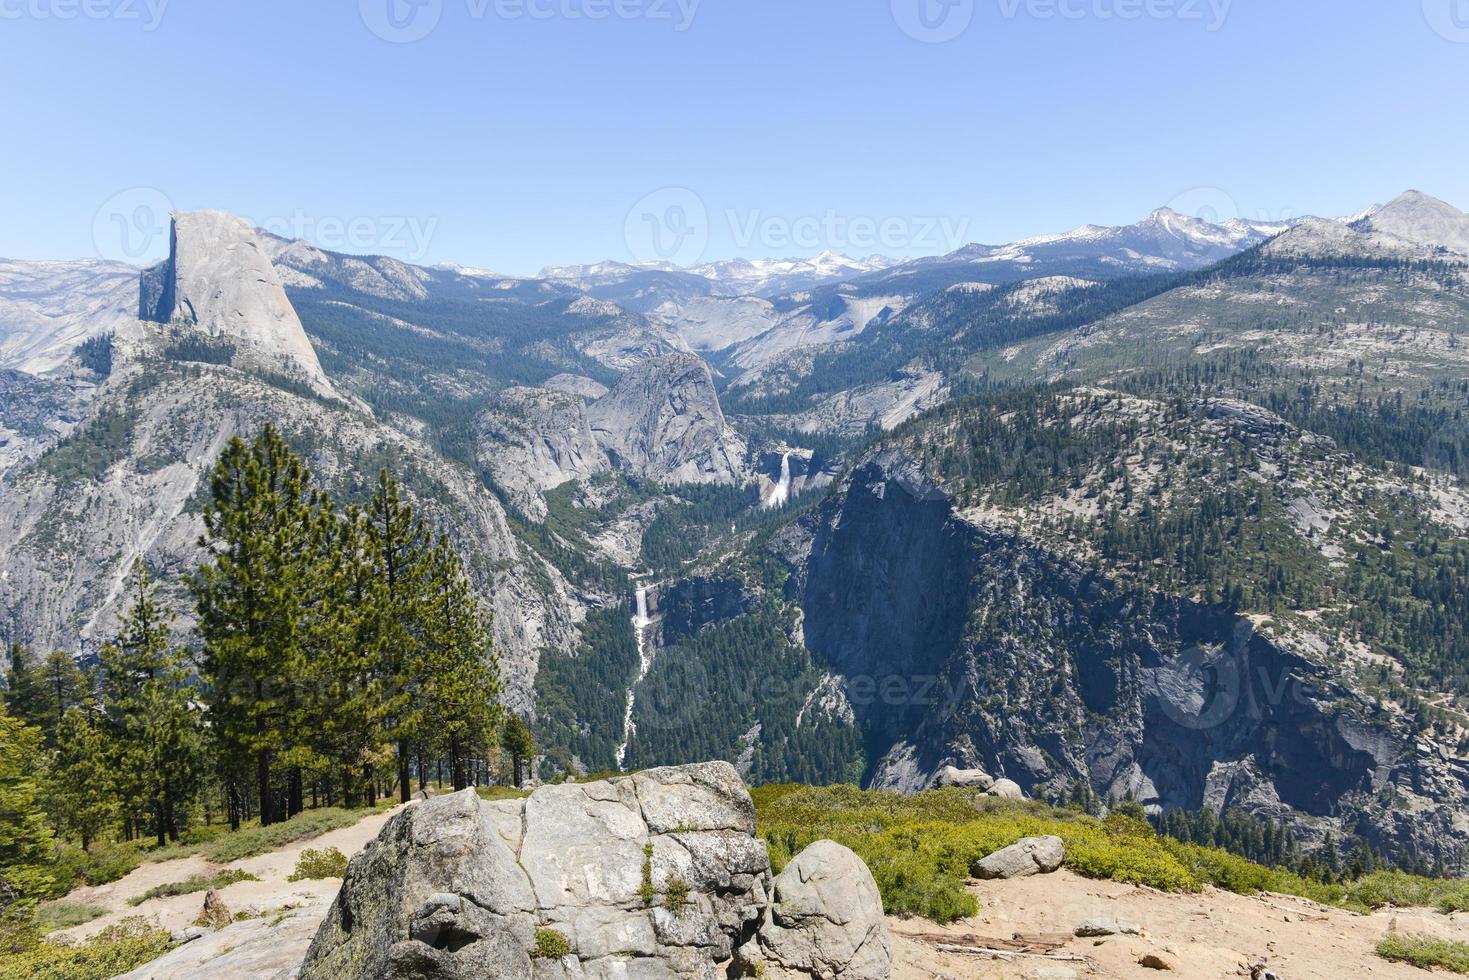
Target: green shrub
[676,896]
[51,916]
[551,945]
[102,865]
[314,864]
[117,950]
[1425,951]
[198,883]
[645,890]
[219,845]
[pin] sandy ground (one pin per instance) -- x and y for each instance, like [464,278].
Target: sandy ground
[1210,935]
[270,893]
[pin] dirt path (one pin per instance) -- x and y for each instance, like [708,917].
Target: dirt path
[1207,936]
[271,892]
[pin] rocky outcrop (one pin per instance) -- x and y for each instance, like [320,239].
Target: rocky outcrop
[654,875]
[534,440]
[219,281]
[663,421]
[825,922]
[988,651]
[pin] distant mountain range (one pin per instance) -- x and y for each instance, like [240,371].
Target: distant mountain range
[1058,478]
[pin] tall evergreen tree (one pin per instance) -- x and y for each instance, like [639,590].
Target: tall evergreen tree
[254,599]
[81,790]
[26,840]
[460,683]
[156,733]
[518,742]
[400,545]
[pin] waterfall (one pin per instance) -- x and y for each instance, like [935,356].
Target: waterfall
[640,624]
[781,495]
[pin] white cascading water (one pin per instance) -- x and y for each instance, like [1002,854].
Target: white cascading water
[640,624]
[781,495]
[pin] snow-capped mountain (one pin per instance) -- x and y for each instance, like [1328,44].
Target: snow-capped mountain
[730,277]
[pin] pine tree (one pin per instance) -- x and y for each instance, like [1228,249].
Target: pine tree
[349,714]
[254,599]
[23,691]
[400,545]
[39,693]
[155,731]
[80,791]
[460,682]
[26,840]
[519,744]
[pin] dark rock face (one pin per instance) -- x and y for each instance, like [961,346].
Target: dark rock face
[689,605]
[963,645]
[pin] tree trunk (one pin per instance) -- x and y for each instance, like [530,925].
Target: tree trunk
[262,786]
[405,793]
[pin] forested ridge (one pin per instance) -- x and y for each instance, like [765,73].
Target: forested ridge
[338,655]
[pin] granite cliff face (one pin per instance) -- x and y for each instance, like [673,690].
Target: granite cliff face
[958,643]
[663,421]
[220,281]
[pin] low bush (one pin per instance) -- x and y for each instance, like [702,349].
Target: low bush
[921,848]
[314,864]
[117,950]
[198,883]
[51,916]
[102,865]
[551,945]
[1425,952]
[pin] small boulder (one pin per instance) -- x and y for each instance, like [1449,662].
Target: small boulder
[1007,789]
[964,778]
[1096,928]
[825,921]
[1031,856]
[1156,961]
[216,915]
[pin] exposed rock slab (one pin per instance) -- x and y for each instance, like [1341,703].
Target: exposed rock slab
[1031,856]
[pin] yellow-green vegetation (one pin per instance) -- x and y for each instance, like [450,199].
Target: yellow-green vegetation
[1425,951]
[921,848]
[197,883]
[495,793]
[677,895]
[551,945]
[646,889]
[51,916]
[252,841]
[114,951]
[314,864]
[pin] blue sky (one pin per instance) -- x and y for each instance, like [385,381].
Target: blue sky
[767,127]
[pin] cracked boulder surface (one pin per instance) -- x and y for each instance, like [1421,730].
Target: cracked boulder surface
[647,876]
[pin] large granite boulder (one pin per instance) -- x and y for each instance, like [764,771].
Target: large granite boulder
[649,876]
[1031,856]
[825,921]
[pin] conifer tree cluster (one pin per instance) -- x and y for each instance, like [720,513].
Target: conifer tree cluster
[338,653]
